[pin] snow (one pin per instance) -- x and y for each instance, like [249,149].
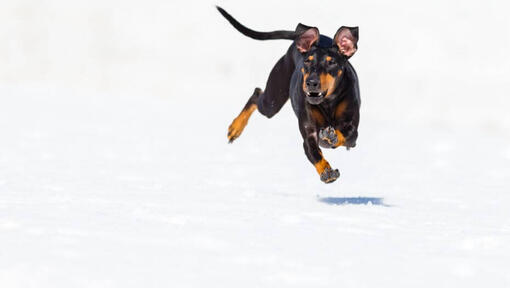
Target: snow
[115,169]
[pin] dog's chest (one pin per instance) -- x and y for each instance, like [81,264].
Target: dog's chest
[327,115]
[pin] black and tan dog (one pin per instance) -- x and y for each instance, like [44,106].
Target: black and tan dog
[321,83]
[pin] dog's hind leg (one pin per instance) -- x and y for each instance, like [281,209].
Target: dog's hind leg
[268,102]
[236,128]
[276,93]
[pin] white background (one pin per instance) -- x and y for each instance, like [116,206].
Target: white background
[115,169]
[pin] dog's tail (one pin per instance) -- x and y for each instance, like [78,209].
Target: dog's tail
[280,34]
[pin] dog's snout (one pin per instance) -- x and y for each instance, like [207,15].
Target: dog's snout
[312,83]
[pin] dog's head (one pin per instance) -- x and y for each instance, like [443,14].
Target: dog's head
[323,66]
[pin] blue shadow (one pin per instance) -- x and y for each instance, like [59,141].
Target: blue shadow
[353,201]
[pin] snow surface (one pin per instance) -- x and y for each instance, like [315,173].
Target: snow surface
[115,169]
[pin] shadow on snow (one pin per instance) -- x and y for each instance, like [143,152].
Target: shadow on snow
[353,201]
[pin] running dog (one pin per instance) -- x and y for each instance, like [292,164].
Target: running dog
[321,83]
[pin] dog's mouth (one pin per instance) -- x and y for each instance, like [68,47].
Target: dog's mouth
[315,94]
[315,97]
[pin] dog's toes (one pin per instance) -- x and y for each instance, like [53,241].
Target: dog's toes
[329,175]
[350,145]
[328,137]
[231,139]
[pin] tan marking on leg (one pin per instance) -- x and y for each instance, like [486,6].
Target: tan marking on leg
[236,128]
[340,109]
[341,138]
[321,166]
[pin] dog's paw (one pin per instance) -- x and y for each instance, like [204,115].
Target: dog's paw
[328,137]
[350,144]
[235,129]
[329,175]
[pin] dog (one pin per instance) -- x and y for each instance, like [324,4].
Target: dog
[321,83]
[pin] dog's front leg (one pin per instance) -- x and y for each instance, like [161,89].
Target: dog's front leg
[330,137]
[344,134]
[314,154]
[351,134]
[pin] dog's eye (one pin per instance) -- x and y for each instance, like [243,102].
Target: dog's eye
[331,62]
[308,61]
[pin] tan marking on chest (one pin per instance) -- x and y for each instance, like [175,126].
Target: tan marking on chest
[317,116]
[340,109]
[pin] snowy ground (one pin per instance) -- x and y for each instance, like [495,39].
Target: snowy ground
[116,179]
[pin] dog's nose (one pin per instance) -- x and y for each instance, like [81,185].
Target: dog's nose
[312,83]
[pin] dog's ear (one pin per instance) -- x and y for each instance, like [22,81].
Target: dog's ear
[300,28]
[305,41]
[346,38]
